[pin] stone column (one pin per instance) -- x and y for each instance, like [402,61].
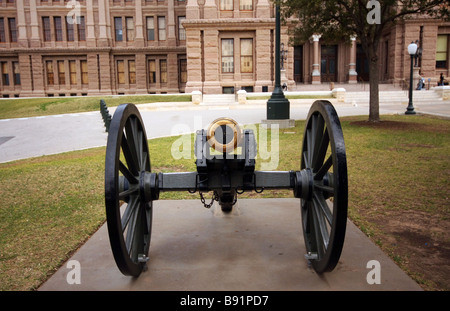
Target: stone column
[171,34]
[192,9]
[263,57]
[138,26]
[316,64]
[103,35]
[210,9]
[141,74]
[263,9]
[21,24]
[38,75]
[35,40]
[352,74]
[194,59]
[211,59]
[90,26]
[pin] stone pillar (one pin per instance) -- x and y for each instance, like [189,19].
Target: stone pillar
[107,75]
[352,74]
[192,9]
[139,27]
[26,80]
[171,34]
[141,74]
[35,40]
[194,60]
[210,9]
[38,75]
[263,57]
[211,59]
[103,35]
[316,61]
[172,73]
[263,9]
[21,25]
[93,73]
[90,26]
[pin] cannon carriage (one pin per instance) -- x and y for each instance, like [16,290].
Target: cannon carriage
[225,161]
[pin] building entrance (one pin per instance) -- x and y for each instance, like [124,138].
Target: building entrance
[328,63]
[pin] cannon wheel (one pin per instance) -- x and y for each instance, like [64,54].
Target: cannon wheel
[127,158]
[324,211]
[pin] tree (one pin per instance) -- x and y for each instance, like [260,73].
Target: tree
[339,20]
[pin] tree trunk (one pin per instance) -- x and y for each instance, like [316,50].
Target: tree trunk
[374,98]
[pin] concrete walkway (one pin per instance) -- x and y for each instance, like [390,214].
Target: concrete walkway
[258,247]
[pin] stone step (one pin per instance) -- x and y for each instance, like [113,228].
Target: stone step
[219,99]
[393,96]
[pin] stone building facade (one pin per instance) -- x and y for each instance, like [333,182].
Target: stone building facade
[104,47]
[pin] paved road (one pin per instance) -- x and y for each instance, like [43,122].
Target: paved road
[32,137]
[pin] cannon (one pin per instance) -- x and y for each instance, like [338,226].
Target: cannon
[225,160]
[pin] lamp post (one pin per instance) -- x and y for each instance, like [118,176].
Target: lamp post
[412,49]
[278,104]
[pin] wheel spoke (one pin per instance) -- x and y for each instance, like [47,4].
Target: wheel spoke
[130,156]
[324,188]
[324,209]
[132,228]
[129,211]
[128,175]
[320,230]
[321,151]
[325,167]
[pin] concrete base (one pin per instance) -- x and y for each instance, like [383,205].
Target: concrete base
[282,124]
[259,246]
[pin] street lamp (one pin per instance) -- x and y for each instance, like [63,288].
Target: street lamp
[278,105]
[412,49]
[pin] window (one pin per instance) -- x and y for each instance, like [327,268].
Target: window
[181,30]
[16,73]
[131,72]
[121,72]
[47,31]
[61,72]
[163,70]
[69,28]
[50,74]
[81,26]
[73,72]
[5,74]
[152,71]
[118,28]
[150,28]
[84,72]
[226,5]
[130,28]
[2,30]
[58,28]
[227,55]
[12,29]
[247,55]
[161,28]
[183,71]
[245,5]
[442,51]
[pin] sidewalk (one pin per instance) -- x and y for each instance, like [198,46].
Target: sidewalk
[258,247]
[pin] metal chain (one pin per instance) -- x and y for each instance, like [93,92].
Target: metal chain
[214,198]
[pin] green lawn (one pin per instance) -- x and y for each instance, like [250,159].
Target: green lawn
[30,107]
[398,170]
